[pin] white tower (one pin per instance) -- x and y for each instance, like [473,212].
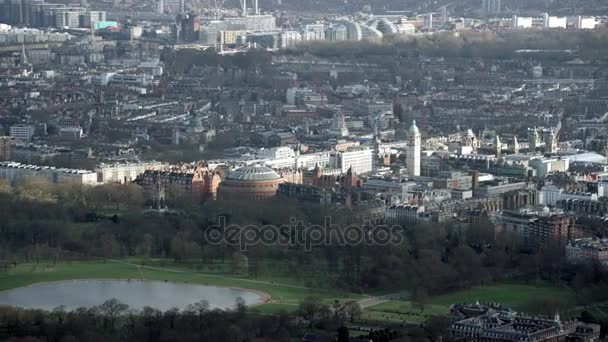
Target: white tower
[413,151]
[498,145]
[515,145]
[552,148]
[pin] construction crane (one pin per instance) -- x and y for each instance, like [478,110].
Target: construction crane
[444,13]
[256,8]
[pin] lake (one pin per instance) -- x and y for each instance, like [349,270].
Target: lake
[136,293]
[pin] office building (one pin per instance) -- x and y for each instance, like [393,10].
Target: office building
[314,32]
[537,228]
[359,159]
[68,17]
[412,160]
[91,18]
[336,33]
[22,132]
[190,25]
[289,39]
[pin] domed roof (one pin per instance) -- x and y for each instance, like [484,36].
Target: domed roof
[414,128]
[254,172]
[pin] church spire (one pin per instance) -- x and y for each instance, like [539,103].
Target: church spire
[23,57]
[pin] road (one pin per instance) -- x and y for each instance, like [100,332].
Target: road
[210,275]
[371,301]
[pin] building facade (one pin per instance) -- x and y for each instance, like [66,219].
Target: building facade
[359,159]
[587,250]
[125,172]
[495,323]
[253,182]
[199,182]
[22,132]
[12,171]
[537,229]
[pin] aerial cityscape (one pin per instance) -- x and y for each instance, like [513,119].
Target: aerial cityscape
[287,170]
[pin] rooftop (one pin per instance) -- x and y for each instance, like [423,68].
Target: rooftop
[254,172]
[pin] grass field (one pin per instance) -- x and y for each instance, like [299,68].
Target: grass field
[286,292]
[285,296]
[403,311]
[517,296]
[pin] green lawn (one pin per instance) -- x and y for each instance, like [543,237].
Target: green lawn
[400,311]
[284,295]
[517,296]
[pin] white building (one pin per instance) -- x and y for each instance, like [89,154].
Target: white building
[310,160]
[413,151]
[545,166]
[522,22]
[585,23]
[314,32]
[132,80]
[551,194]
[336,33]
[22,132]
[554,22]
[281,152]
[289,39]
[124,172]
[360,159]
[12,171]
[68,17]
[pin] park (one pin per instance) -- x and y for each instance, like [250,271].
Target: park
[285,293]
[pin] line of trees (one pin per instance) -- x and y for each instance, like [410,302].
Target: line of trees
[589,44]
[115,321]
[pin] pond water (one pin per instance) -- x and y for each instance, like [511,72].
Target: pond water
[136,293]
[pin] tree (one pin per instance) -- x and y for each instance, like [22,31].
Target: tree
[241,263]
[343,334]
[112,308]
[5,187]
[312,310]
[420,298]
[34,188]
[353,310]
[200,308]
[241,306]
